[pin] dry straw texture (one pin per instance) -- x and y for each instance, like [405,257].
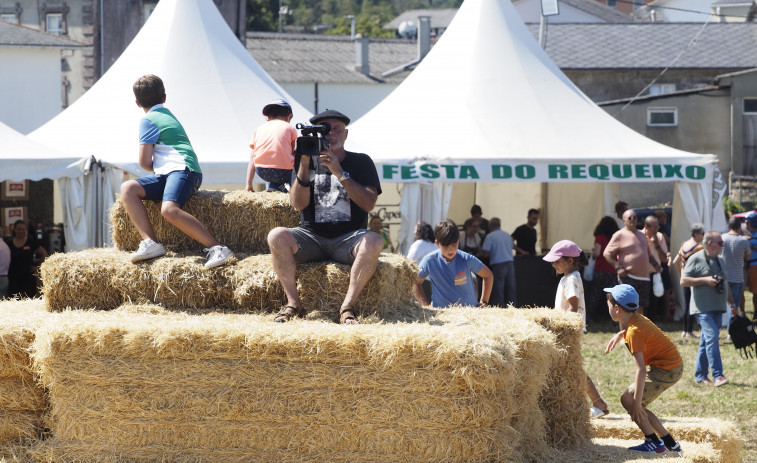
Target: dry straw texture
[565,396]
[22,400]
[536,352]
[615,450]
[154,385]
[239,219]
[722,436]
[105,278]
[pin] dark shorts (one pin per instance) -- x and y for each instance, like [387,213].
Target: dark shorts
[314,248]
[657,382]
[277,176]
[666,281]
[177,186]
[643,287]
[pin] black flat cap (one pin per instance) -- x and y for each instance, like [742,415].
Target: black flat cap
[330,114]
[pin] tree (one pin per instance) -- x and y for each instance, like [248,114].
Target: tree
[263,15]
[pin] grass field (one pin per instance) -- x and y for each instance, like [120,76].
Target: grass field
[735,402]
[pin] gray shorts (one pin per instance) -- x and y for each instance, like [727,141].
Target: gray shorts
[314,248]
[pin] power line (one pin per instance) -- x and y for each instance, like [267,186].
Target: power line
[691,42]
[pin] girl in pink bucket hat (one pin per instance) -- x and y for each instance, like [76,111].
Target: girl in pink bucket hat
[568,259]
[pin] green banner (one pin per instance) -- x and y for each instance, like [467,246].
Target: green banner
[544,172]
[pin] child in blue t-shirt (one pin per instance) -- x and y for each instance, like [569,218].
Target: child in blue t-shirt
[450,272]
[165,150]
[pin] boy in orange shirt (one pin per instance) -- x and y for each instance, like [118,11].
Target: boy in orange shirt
[272,144]
[648,346]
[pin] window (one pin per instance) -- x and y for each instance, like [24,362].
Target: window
[662,117]
[54,23]
[10,17]
[750,105]
[660,89]
[611,3]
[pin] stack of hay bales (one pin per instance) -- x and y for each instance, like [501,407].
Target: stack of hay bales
[153,385]
[22,400]
[105,278]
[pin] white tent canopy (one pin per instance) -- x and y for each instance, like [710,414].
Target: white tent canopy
[24,159]
[488,105]
[213,85]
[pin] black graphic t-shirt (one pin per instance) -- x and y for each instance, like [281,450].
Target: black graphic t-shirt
[331,212]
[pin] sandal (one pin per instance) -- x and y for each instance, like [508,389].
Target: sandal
[288,312]
[347,316]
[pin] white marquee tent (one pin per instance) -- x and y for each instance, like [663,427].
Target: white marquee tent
[24,159]
[487,105]
[213,85]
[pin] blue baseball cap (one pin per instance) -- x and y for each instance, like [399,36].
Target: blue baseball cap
[752,219]
[625,296]
[279,102]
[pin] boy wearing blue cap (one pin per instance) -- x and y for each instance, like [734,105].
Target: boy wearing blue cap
[272,145]
[649,346]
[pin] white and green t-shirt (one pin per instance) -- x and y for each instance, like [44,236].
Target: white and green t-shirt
[173,151]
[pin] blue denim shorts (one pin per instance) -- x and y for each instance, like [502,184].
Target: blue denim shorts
[177,186]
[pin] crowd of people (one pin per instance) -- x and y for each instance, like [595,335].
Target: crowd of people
[335,190]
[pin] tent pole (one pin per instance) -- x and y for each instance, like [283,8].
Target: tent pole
[98,202]
[543,217]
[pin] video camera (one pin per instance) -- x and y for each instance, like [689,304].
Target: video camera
[719,286]
[312,142]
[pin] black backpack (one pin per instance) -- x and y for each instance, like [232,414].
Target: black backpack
[743,336]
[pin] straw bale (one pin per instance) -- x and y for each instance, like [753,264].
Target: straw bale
[239,219]
[20,319]
[21,394]
[173,385]
[564,401]
[82,279]
[536,351]
[616,450]
[18,452]
[105,278]
[723,436]
[18,425]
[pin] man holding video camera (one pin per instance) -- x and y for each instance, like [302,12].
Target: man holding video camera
[705,274]
[334,190]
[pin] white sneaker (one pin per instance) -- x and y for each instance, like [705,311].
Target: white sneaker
[148,249]
[597,413]
[218,255]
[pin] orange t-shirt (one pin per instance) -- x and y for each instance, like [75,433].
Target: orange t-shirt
[644,336]
[272,145]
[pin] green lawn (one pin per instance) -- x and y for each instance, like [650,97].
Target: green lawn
[735,402]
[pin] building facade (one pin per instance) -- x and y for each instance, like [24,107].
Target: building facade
[105,26]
